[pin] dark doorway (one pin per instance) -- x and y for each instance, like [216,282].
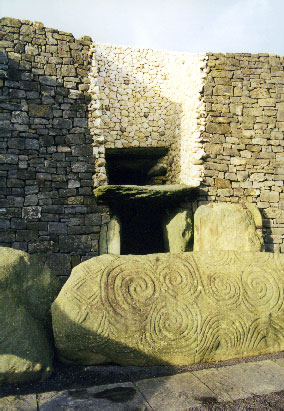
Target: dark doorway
[132,166]
[141,230]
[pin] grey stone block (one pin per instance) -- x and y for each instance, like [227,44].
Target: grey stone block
[243,380]
[121,396]
[31,213]
[177,392]
[57,228]
[62,123]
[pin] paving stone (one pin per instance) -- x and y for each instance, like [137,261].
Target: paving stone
[243,380]
[124,396]
[176,392]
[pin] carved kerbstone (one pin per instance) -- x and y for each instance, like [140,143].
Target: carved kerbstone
[171,308]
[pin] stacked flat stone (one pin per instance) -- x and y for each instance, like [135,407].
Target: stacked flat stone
[148,98]
[46,161]
[244,144]
[64,101]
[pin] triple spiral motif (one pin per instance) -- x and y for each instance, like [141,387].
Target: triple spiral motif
[195,306]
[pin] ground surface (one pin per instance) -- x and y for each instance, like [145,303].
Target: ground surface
[136,388]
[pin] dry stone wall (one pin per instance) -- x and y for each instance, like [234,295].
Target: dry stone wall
[243,141]
[46,163]
[148,98]
[65,101]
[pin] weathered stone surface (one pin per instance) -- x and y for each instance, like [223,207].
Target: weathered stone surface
[27,289]
[223,226]
[110,241]
[118,397]
[178,231]
[171,308]
[19,402]
[45,138]
[243,380]
[113,193]
[114,235]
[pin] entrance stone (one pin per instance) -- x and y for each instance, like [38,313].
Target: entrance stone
[171,308]
[223,226]
[27,289]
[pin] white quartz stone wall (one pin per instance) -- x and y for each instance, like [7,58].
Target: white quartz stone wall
[148,98]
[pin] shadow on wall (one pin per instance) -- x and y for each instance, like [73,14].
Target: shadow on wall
[135,114]
[47,205]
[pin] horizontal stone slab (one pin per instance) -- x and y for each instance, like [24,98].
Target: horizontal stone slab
[114,193]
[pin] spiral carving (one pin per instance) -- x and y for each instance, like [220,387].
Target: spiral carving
[173,325]
[181,277]
[214,257]
[224,289]
[128,293]
[173,308]
[249,258]
[261,290]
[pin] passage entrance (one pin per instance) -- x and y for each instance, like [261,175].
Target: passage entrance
[141,230]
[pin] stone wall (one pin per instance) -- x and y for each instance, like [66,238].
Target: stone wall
[148,98]
[46,163]
[64,101]
[243,141]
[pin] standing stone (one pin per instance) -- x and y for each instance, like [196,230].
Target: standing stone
[27,289]
[110,241]
[114,235]
[223,226]
[178,231]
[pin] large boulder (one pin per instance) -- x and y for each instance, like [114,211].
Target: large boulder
[224,226]
[171,308]
[27,289]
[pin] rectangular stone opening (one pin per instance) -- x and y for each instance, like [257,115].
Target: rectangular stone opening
[141,230]
[136,166]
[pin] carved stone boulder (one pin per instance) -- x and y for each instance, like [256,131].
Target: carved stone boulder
[27,289]
[223,226]
[171,308]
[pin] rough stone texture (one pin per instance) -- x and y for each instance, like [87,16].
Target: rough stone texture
[27,289]
[46,160]
[243,137]
[110,239]
[148,98]
[178,231]
[114,227]
[165,193]
[223,226]
[64,101]
[19,402]
[171,308]
[243,380]
[118,397]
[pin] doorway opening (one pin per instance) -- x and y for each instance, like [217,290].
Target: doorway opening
[136,166]
[141,230]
